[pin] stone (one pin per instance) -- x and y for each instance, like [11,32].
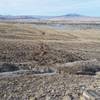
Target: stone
[66,97]
[47,98]
[32,98]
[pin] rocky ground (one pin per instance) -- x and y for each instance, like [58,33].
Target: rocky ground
[47,64]
[45,80]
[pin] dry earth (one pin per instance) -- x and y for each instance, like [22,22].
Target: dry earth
[42,62]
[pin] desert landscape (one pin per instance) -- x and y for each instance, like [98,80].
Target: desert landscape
[48,60]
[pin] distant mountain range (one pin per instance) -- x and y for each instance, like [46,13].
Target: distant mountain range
[68,17]
[75,18]
[73,15]
[3,17]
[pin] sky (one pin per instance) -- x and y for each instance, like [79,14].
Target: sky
[50,7]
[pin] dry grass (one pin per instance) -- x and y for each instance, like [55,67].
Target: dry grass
[19,42]
[30,46]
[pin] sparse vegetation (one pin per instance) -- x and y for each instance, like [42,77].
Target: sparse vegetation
[41,49]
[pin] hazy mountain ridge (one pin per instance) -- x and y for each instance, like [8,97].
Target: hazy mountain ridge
[16,17]
[37,17]
[67,17]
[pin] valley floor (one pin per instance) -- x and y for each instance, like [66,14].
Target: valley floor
[39,50]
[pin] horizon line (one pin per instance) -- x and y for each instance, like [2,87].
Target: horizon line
[48,15]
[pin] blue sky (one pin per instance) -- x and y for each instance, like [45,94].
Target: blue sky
[50,7]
